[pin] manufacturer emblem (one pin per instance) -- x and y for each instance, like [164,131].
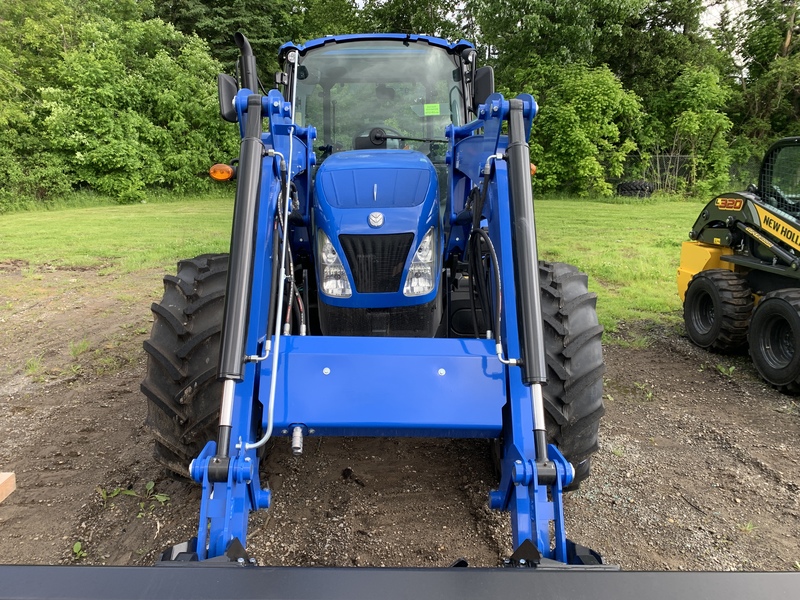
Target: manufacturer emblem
[376,219]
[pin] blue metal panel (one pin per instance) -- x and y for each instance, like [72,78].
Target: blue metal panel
[389,386]
[376,179]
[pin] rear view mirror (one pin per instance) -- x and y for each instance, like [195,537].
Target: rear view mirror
[227,89]
[484,85]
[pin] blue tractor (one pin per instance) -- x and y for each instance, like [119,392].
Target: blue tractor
[383,280]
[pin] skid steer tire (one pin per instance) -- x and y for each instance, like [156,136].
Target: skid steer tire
[573,396]
[775,339]
[716,311]
[181,386]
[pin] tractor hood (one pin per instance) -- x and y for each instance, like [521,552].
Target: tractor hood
[375,207]
[376,179]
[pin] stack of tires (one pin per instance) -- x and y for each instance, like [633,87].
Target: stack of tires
[636,189]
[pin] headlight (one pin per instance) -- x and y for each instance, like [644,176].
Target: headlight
[422,274]
[332,275]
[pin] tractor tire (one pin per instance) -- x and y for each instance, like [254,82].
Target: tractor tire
[717,310]
[775,339]
[181,386]
[635,189]
[573,396]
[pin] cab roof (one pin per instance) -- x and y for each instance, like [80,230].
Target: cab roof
[453,47]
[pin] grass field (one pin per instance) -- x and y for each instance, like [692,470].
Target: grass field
[629,250]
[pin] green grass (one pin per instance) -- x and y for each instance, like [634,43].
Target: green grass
[124,238]
[630,249]
[78,348]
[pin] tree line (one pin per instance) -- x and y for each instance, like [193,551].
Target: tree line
[119,96]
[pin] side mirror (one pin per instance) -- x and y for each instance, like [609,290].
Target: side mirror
[227,89]
[484,86]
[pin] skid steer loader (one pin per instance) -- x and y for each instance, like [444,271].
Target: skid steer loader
[738,276]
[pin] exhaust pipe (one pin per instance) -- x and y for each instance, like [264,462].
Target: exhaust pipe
[247,63]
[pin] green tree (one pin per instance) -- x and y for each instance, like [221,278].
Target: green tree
[558,31]
[585,128]
[771,88]
[413,16]
[330,17]
[134,105]
[266,24]
[654,46]
[33,35]
[699,130]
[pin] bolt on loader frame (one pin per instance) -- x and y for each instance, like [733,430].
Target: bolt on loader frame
[290,209]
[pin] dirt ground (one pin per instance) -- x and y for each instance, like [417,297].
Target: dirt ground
[698,466]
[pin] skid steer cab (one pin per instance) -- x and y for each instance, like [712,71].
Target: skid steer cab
[739,276]
[383,280]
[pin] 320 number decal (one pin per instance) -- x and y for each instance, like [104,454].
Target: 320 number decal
[729,203]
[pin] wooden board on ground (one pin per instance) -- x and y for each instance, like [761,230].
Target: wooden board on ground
[8,484]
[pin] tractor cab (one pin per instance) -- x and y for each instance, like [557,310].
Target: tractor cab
[381,92]
[380,105]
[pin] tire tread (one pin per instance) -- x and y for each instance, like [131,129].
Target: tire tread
[180,386]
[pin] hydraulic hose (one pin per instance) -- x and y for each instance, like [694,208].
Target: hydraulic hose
[287,208]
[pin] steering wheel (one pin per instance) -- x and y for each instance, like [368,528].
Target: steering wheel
[376,135]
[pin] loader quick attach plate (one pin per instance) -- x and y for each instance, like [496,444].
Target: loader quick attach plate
[390,386]
[214,582]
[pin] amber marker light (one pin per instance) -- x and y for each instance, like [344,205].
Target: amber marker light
[220,172]
[533,169]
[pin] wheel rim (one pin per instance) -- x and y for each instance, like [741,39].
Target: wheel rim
[777,343]
[703,315]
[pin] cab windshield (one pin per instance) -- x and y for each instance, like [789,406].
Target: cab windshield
[408,89]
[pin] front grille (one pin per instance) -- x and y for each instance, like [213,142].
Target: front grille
[377,261]
[404,321]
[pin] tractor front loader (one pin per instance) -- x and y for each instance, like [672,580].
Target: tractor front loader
[739,275]
[382,280]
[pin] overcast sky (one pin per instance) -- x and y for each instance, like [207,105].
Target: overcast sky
[711,16]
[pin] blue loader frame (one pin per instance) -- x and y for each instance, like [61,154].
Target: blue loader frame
[434,387]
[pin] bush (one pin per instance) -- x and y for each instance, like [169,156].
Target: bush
[114,106]
[135,107]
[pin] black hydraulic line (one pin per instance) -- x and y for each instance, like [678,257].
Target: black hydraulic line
[473,203]
[474,262]
[472,291]
[481,282]
[526,258]
[497,285]
[273,290]
[247,63]
[240,274]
